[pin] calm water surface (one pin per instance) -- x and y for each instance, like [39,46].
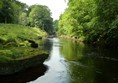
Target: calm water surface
[71,62]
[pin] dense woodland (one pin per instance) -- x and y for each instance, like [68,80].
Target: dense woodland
[24,44]
[15,12]
[93,21]
[21,29]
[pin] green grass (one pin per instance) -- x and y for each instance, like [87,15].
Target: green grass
[14,44]
[14,53]
[15,34]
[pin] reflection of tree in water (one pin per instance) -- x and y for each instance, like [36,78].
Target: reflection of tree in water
[71,50]
[47,45]
[24,76]
[80,68]
[89,65]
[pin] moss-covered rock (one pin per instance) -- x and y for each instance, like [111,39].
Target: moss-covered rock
[19,48]
[10,66]
[17,35]
[15,59]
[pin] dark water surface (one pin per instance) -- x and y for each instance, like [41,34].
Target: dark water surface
[71,62]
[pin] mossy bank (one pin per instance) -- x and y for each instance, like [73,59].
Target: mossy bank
[19,48]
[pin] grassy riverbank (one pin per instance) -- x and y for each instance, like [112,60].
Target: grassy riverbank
[19,43]
[20,58]
[16,35]
[14,39]
[76,39]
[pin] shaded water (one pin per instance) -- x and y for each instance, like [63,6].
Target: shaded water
[24,76]
[70,62]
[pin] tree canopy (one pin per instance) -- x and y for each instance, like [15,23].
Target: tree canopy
[94,21]
[10,10]
[13,11]
[40,16]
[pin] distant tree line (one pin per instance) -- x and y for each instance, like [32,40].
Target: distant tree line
[55,26]
[94,21]
[13,11]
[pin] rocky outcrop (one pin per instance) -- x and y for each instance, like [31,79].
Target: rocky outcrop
[16,65]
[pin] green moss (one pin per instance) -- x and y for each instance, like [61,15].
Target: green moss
[17,34]
[16,52]
[19,53]
[14,42]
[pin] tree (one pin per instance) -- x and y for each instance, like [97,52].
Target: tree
[6,12]
[94,21]
[23,18]
[9,10]
[40,16]
[55,25]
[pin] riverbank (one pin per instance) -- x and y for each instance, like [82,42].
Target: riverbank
[18,35]
[9,65]
[76,39]
[99,44]
[19,48]
[72,62]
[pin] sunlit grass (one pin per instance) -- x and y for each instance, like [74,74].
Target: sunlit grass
[18,33]
[16,53]
[14,43]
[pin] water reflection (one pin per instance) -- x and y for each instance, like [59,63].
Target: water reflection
[57,72]
[47,44]
[24,76]
[72,62]
[87,64]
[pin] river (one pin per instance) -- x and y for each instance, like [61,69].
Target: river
[71,62]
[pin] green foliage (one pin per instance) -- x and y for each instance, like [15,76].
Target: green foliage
[40,16]
[13,53]
[10,10]
[13,11]
[14,43]
[11,34]
[95,20]
[55,25]
[23,18]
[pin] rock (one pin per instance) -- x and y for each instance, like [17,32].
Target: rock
[17,65]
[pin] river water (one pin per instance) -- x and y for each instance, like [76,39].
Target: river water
[72,62]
